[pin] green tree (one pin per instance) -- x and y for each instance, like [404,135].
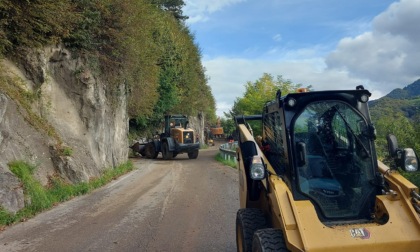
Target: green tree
[398,125]
[139,47]
[228,126]
[33,23]
[261,91]
[181,82]
[391,121]
[258,93]
[172,6]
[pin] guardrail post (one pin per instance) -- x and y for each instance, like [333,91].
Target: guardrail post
[228,151]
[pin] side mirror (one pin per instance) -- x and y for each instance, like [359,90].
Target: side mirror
[392,145]
[406,158]
[257,170]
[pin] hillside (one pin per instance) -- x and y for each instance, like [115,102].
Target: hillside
[74,73]
[408,92]
[398,113]
[405,102]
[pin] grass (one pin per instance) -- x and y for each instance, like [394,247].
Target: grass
[67,151]
[220,159]
[39,198]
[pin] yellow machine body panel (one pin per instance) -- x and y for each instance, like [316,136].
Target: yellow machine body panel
[178,134]
[312,181]
[304,231]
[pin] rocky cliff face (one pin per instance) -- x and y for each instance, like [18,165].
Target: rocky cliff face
[197,123]
[74,102]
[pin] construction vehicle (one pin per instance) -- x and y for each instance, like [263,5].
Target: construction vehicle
[208,137]
[312,181]
[176,138]
[217,131]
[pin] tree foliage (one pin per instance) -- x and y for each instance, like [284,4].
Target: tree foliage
[143,44]
[258,93]
[408,136]
[401,127]
[182,84]
[34,23]
[228,126]
[172,6]
[398,113]
[400,117]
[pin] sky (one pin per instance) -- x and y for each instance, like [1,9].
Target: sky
[329,44]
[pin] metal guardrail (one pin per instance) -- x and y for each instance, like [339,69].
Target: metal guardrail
[228,151]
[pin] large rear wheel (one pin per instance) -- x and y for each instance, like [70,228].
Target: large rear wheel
[150,151]
[193,154]
[166,154]
[248,220]
[269,240]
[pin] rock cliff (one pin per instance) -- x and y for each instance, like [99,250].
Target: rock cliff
[74,101]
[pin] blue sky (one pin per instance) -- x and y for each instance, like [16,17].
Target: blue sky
[329,44]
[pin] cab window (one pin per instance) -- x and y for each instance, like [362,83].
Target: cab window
[335,165]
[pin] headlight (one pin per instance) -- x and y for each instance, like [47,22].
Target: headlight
[410,160]
[364,98]
[257,168]
[291,102]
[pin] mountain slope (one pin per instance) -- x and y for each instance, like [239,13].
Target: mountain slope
[399,102]
[408,92]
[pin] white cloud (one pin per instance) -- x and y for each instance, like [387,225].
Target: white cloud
[401,19]
[199,10]
[388,55]
[229,76]
[381,55]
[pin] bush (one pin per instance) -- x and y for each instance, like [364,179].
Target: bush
[39,198]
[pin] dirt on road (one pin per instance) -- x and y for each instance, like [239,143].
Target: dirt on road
[163,205]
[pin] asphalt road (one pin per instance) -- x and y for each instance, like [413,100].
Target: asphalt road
[176,205]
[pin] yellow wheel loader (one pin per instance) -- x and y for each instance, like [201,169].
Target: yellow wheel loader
[177,138]
[312,181]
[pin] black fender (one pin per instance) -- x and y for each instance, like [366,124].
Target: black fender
[249,150]
[171,143]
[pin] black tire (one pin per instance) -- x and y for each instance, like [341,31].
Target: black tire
[150,151]
[193,154]
[248,220]
[166,154]
[143,154]
[269,240]
[143,151]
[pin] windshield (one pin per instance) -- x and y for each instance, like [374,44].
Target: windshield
[337,167]
[178,122]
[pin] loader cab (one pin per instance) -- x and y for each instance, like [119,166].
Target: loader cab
[177,127]
[326,151]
